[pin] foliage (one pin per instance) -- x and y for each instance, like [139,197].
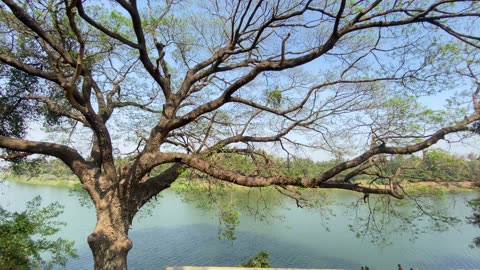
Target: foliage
[26,238]
[260,260]
[30,168]
[39,166]
[14,107]
[476,127]
[20,92]
[433,165]
[475,219]
[390,214]
[229,218]
[440,165]
[274,98]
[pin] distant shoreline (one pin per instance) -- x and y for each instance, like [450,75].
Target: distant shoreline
[438,186]
[425,186]
[41,181]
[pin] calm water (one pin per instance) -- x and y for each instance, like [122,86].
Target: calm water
[178,233]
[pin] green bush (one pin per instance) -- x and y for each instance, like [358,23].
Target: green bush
[27,237]
[260,260]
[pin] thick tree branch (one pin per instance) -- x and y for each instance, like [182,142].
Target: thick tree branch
[55,108]
[103,29]
[198,163]
[48,75]
[68,155]
[14,156]
[324,180]
[151,186]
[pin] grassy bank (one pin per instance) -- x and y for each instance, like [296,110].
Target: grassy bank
[436,187]
[42,180]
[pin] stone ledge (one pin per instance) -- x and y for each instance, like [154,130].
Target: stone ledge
[236,268]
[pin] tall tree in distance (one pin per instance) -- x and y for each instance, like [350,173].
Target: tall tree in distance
[187,82]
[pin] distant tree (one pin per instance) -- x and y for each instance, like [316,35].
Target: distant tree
[26,238]
[473,167]
[187,82]
[34,167]
[29,168]
[442,166]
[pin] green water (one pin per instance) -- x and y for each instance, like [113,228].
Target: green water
[176,232]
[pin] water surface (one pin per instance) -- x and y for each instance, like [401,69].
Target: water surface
[179,233]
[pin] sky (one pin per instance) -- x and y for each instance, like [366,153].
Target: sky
[435,102]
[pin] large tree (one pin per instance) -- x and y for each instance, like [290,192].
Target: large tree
[190,82]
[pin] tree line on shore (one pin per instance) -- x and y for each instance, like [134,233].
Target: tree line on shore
[433,165]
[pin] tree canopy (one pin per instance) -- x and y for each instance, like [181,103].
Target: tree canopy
[179,84]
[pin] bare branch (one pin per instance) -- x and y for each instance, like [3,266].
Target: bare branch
[35,27]
[103,29]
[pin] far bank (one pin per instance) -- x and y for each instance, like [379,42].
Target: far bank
[182,184]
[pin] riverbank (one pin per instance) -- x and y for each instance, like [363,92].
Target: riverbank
[42,180]
[434,187]
[413,187]
[457,186]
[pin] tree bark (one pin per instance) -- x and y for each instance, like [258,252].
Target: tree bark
[109,241]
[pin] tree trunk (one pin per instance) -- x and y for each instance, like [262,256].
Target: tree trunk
[109,241]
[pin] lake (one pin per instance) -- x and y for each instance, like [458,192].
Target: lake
[176,232]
